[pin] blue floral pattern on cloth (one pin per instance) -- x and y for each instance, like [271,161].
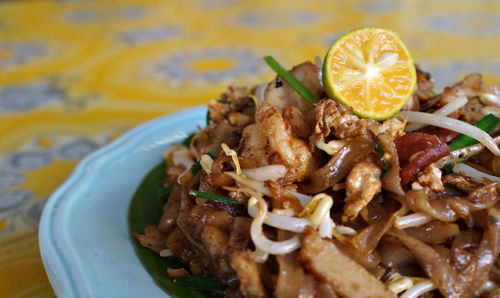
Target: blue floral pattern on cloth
[28,97]
[19,53]
[176,68]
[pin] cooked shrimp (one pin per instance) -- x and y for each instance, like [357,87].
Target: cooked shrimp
[293,152]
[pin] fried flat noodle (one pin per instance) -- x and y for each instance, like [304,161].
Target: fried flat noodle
[436,267]
[248,274]
[329,264]
[292,280]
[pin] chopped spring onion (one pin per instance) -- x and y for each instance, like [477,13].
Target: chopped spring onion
[488,124]
[455,125]
[212,197]
[291,80]
[382,156]
[469,171]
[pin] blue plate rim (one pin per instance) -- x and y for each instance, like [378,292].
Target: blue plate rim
[54,258]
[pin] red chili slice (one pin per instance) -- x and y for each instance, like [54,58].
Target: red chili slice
[425,149]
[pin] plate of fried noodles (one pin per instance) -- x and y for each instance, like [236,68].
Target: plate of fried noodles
[267,194]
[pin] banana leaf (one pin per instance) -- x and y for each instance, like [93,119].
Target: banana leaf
[146,209]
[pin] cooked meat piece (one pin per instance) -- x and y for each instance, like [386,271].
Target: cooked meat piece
[224,132]
[207,228]
[153,239]
[293,152]
[327,263]
[334,118]
[236,99]
[430,177]
[248,274]
[362,183]
[394,126]
[424,95]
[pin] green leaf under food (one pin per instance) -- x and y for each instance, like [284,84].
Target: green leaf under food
[146,209]
[164,193]
[200,282]
[187,141]
[488,124]
[196,168]
[212,197]
[208,118]
[291,80]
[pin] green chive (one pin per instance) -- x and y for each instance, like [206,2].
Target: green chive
[291,80]
[488,123]
[381,152]
[212,197]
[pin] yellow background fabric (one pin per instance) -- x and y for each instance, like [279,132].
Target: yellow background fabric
[76,74]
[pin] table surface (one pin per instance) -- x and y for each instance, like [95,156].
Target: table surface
[74,75]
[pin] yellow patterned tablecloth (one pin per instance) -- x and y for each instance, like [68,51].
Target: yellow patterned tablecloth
[76,74]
